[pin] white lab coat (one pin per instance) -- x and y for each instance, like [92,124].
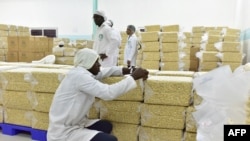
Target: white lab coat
[75,96]
[107,42]
[130,51]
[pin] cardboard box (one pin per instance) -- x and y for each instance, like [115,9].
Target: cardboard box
[50,44]
[12,56]
[3,42]
[30,56]
[13,44]
[26,44]
[37,56]
[2,58]
[194,65]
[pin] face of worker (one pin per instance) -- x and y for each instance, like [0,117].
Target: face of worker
[95,69]
[129,31]
[98,19]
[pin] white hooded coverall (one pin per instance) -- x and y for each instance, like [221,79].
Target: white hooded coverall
[130,52]
[75,96]
[107,42]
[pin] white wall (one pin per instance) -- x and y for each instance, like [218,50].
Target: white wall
[71,17]
[243,21]
[186,13]
[74,17]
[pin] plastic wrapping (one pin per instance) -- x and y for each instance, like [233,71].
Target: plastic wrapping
[218,46]
[49,59]
[204,85]
[1,114]
[203,46]
[204,38]
[223,103]
[29,78]
[148,92]
[230,57]
[32,98]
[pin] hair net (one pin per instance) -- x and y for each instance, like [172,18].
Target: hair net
[61,43]
[85,58]
[131,27]
[101,13]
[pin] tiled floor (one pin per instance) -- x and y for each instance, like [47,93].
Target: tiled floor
[18,137]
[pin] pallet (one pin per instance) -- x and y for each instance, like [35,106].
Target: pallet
[12,129]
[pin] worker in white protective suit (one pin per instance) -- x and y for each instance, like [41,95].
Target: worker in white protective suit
[117,35]
[76,93]
[131,50]
[105,41]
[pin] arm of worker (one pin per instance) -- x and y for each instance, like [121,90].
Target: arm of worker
[114,71]
[91,86]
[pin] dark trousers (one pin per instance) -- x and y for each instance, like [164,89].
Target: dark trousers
[105,127]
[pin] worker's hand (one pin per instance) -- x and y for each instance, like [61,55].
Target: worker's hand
[139,73]
[103,56]
[128,63]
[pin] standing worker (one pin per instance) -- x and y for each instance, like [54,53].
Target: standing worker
[105,41]
[116,35]
[76,94]
[130,52]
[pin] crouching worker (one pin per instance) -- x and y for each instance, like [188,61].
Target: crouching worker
[76,93]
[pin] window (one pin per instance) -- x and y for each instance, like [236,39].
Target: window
[48,32]
[36,32]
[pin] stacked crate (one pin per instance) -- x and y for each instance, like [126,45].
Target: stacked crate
[150,47]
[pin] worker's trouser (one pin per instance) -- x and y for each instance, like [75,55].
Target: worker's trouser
[106,128]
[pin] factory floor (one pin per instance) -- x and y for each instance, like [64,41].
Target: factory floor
[18,137]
